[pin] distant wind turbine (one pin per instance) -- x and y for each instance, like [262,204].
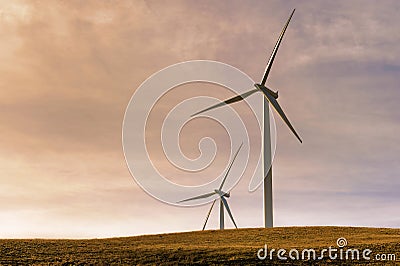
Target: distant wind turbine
[269,97]
[222,196]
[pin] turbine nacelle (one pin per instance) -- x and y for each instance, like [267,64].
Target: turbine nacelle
[264,89]
[222,193]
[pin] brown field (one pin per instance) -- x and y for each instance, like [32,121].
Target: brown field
[228,247]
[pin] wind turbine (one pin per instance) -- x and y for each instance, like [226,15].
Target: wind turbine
[222,196]
[271,97]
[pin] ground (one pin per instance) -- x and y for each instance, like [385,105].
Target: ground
[227,247]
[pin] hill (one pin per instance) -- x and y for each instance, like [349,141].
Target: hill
[228,247]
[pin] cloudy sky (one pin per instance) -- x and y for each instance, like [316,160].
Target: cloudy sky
[69,68]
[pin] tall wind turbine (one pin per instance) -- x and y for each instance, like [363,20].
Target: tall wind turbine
[222,195]
[270,97]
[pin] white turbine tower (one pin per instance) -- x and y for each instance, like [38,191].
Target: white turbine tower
[222,196]
[270,97]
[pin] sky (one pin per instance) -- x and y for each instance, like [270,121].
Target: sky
[69,68]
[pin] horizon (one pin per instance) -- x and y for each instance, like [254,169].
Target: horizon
[199,230]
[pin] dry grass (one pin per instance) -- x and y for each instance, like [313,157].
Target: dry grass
[228,247]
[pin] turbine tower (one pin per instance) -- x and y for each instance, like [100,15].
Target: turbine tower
[270,97]
[222,195]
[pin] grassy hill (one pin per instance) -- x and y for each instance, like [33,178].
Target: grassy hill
[228,247]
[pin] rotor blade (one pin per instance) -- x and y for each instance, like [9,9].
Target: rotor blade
[229,101]
[229,211]
[271,59]
[279,110]
[198,197]
[230,166]
[208,215]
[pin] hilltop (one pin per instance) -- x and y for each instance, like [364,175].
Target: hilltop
[227,247]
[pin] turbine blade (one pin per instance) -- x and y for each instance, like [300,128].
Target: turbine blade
[279,110]
[229,101]
[230,166]
[229,211]
[198,197]
[208,215]
[278,42]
